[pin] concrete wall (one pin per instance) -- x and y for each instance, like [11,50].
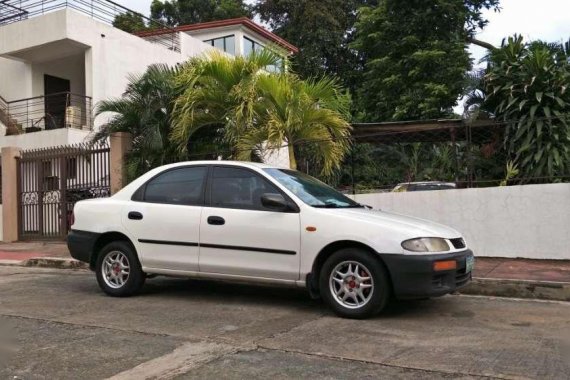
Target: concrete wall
[71,68]
[531,221]
[54,137]
[15,79]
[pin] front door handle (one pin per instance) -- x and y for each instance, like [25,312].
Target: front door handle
[216,220]
[135,215]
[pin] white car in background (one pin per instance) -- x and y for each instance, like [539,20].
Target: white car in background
[252,222]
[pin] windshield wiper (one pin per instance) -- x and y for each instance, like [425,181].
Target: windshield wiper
[327,205]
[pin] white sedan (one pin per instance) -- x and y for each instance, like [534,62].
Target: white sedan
[252,222]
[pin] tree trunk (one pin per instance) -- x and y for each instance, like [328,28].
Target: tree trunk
[292,160]
[480,43]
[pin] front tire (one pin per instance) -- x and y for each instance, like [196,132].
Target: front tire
[118,270]
[354,283]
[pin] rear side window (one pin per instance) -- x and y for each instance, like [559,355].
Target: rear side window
[184,186]
[239,188]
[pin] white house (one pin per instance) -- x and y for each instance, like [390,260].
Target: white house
[56,64]
[58,59]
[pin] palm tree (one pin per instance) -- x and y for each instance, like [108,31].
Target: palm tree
[219,94]
[251,110]
[144,111]
[292,112]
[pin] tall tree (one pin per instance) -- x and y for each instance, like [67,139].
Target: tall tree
[321,29]
[527,89]
[183,12]
[129,22]
[415,55]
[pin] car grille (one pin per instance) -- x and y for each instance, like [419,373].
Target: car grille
[462,277]
[458,243]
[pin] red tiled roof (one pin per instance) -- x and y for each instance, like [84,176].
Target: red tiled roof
[229,22]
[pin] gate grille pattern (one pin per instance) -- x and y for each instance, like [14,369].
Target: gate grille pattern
[52,180]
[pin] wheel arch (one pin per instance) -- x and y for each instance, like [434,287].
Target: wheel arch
[327,251]
[105,239]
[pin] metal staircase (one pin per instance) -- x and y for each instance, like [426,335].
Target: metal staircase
[12,126]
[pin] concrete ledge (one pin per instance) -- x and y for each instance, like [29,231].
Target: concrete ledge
[11,262]
[555,291]
[55,262]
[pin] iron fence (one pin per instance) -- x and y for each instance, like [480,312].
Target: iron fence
[52,180]
[102,10]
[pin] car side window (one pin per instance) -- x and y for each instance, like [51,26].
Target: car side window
[183,186]
[239,188]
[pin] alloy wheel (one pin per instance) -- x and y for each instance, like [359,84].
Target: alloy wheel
[351,284]
[115,269]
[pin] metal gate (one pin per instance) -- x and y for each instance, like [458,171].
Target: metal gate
[52,180]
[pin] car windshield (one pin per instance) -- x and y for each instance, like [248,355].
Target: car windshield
[310,190]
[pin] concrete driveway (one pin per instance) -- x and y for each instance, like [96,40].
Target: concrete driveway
[57,324]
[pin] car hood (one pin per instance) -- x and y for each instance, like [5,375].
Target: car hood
[405,225]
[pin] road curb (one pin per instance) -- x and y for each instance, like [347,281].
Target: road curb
[554,291]
[55,262]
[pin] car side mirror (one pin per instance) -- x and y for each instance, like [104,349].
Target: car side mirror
[273,201]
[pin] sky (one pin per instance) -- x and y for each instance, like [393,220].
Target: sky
[548,20]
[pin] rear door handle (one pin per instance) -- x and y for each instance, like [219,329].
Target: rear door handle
[135,215]
[216,220]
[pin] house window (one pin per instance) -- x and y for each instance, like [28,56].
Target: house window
[226,44]
[250,46]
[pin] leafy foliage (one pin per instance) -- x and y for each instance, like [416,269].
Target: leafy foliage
[183,12]
[252,111]
[144,111]
[294,112]
[219,94]
[415,56]
[321,29]
[129,22]
[527,85]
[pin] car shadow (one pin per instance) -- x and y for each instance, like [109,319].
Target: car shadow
[238,293]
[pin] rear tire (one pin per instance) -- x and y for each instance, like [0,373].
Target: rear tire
[354,283]
[118,270]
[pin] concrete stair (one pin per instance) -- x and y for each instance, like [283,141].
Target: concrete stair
[12,126]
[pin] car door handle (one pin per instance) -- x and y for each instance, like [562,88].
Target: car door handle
[216,220]
[135,215]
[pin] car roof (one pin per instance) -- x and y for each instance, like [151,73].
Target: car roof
[223,162]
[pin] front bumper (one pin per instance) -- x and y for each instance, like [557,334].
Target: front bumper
[413,275]
[81,244]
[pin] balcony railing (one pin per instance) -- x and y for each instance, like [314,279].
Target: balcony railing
[54,111]
[102,10]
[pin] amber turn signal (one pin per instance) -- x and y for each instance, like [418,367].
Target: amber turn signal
[311,229]
[444,265]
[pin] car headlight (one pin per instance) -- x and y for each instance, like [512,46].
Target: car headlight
[430,244]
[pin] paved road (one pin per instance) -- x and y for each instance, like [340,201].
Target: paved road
[57,324]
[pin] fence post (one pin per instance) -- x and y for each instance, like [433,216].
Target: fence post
[121,143]
[10,214]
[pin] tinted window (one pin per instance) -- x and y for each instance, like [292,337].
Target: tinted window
[182,186]
[239,188]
